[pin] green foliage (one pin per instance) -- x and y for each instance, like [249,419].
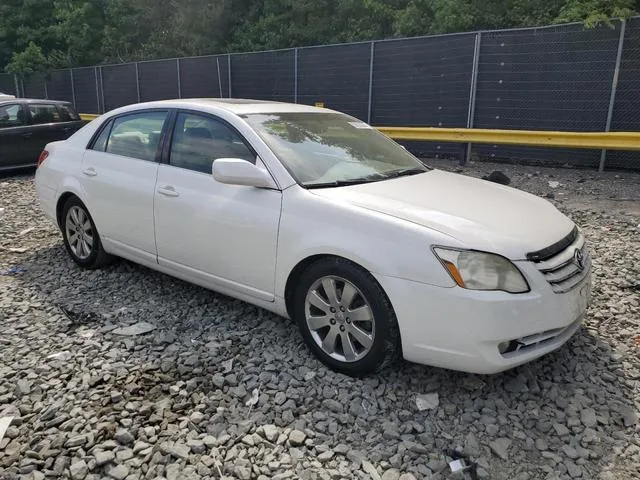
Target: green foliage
[29,61]
[41,34]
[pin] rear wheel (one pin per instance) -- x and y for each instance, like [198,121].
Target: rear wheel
[345,317]
[81,237]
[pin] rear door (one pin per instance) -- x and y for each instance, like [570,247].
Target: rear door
[46,127]
[14,136]
[70,121]
[119,173]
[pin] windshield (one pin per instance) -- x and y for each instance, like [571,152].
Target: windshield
[331,149]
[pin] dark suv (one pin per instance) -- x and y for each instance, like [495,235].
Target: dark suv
[27,125]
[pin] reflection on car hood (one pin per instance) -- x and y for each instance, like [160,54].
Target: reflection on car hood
[481,214]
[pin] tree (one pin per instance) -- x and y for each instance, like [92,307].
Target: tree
[29,61]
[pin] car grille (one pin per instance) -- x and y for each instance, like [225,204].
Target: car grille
[565,264]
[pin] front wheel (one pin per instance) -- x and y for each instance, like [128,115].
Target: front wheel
[345,317]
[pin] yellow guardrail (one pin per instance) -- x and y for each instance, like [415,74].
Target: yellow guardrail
[598,140]
[595,140]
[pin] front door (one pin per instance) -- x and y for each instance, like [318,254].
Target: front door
[119,176]
[225,236]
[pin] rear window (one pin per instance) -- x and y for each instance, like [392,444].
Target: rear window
[68,113]
[42,113]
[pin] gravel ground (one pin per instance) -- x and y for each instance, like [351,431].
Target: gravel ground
[220,388]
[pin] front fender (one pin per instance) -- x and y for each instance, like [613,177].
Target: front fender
[384,245]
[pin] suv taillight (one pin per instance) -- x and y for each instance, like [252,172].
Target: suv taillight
[43,157]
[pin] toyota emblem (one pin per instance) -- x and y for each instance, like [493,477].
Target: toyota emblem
[578,259]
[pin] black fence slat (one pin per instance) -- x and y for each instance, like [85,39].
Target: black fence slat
[199,77]
[158,80]
[337,76]
[7,84]
[84,82]
[119,83]
[59,86]
[264,75]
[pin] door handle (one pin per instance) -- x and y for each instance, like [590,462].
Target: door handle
[168,191]
[90,172]
[27,134]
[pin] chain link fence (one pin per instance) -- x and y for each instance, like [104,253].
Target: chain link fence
[563,77]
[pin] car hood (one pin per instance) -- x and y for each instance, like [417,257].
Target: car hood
[480,214]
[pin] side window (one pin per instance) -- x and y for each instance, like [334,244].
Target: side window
[43,113]
[11,116]
[67,113]
[199,140]
[136,135]
[100,144]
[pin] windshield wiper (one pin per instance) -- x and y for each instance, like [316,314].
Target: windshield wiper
[405,172]
[373,177]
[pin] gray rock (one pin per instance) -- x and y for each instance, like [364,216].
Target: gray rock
[560,429]
[333,405]
[196,446]
[370,470]
[119,472]
[471,445]
[139,328]
[104,457]
[570,452]
[271,432]
[588,417]
[516,384]
[243,473]
[296,438]
[78,470]
[574,470]
[123,437]
[427,401]
[407,476]
[76,441]
[500,446]
[196,418]
[541,444]
[173,471]
[179,451]
[391,474]
[325,456]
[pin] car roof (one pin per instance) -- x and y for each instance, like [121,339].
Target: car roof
[239,106]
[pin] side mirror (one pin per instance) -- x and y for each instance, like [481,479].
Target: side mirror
[235,171]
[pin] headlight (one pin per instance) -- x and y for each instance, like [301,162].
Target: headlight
[482,271]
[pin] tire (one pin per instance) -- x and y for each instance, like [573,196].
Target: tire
[86,251]
[360,346]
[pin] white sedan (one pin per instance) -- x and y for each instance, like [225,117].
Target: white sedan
[317,216]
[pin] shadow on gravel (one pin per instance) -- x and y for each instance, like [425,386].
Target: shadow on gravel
[564,414]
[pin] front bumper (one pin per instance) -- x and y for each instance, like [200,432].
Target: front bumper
[461,329]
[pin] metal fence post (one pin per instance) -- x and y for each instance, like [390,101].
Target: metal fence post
[219,79]
[295,75]
[229,72]
[95,74]
[472,93]
[137,81]
[371,56]
[614,87]
[73,88]
[104,107]
[179,82]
